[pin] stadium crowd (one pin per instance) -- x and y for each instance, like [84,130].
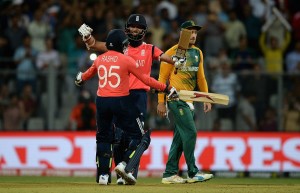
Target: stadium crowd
[250,53]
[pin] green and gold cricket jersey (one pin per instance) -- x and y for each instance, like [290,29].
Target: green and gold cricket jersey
[189,77]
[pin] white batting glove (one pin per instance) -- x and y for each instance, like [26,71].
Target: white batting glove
[78,79]
[179,62]
[173,94]
[85,31]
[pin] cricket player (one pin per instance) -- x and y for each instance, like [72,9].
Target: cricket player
[113,101]
[143,54]
[189,77]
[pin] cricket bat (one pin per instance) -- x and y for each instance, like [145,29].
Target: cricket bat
[203,97]
[183,44]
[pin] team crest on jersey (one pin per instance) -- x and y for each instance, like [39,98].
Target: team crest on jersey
[143,53]
[137,18]
[196,58]
[181,112]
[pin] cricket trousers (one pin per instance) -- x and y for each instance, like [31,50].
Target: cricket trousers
[184,139]
[139,98]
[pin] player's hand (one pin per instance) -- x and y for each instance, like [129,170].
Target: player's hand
[161,109]
[206,107]
[78,79]
[172,94]
[179,62]
[85,31]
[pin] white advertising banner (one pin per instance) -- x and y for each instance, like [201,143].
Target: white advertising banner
[70,152]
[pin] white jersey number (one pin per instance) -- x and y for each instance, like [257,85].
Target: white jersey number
[111,73]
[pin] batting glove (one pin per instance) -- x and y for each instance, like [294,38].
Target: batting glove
[172,94]
[85,31]
[78,79]
[179,62]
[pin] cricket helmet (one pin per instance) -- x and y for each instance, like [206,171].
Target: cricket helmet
[139,21]
[117,40]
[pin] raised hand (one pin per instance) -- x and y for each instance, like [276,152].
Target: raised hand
[78,79]
[85,31]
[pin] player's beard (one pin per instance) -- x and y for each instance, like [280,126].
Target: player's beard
[192,42]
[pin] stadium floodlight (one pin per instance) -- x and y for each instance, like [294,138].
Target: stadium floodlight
[93,56]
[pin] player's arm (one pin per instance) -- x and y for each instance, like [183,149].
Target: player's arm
[89,73]
[164,74]
[144,77]
[86,32]
[176,61]
[201,80]
[98,46]
[202,83]
[166,58]
[161,56]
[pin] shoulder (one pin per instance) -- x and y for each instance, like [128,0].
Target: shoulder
[197,49]
[172,50]
[146,46]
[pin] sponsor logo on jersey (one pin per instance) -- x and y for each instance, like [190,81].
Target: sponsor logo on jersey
[189,68]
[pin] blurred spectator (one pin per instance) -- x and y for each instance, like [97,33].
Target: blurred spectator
[39,31]
[165,22]
[175,30]
[277,31]
[245,113]
[273,54]
[226,83]
[5,62]
[15,33]
[89,18]
[292,60]
[45,59]
[292,115]
[296,26]
[253,26]
[66,31]
[170,6]
[4,98]
[234,30]
[216,6]
[243,57]
[259,8]
[262,85]
[25,57]
[107,23]
[167,42]
[200,14]
[269,122]
[48,57]
[146,8]
[213,36]
[83,115]
[157,32]
[29,102]
[13,114]
[214,62]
